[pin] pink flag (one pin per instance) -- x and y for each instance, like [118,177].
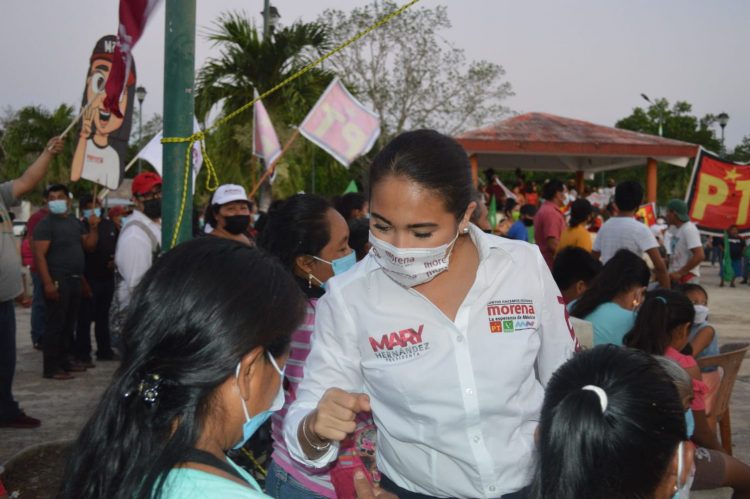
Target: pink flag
[265,142]
[133,17]
[341,125]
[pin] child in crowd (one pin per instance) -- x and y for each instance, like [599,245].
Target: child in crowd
[573,271]
[703,340]
[662,328]
[610,302]
[611,426]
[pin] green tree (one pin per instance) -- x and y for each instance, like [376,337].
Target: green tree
[677,122]
[25,134]
[411,75]
[246,64]
[741,151]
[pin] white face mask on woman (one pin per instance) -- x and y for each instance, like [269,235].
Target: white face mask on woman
[411,266]
[701,314]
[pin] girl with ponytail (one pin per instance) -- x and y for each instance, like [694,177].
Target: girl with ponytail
[617,410]
[662,327]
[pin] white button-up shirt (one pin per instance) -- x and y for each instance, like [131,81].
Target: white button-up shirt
[456,403]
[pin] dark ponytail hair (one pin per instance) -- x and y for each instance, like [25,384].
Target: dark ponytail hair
[620,274]
[197,311]
[660,313]
[297,227]
[432,160]
[633,439]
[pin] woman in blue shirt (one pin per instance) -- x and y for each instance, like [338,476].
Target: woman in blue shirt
[205,341]
[610,302]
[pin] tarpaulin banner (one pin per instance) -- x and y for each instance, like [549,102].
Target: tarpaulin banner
[719,194]
[341,125]
[103,137]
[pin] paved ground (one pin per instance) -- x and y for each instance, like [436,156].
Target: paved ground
[64,406]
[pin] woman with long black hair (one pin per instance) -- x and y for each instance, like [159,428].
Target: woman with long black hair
[205,342]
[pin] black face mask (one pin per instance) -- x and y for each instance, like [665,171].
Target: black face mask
[236,224]
[528,222]
[152,208]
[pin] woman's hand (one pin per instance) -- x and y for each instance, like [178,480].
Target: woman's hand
[336,412]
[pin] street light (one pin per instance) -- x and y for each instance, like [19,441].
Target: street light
[723,119]
[140,93]
[661,115]
[271,18]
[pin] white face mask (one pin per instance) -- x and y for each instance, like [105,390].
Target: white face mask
[701,314]
[411,266]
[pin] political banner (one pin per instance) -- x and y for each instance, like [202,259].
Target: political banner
[103,138]
[647,213]
[719,194]
[341,125]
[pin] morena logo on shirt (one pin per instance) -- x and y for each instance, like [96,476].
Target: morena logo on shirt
[399,345]
[510,316]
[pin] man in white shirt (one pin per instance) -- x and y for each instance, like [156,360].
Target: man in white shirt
[623,231]
[140,237]
[686,247]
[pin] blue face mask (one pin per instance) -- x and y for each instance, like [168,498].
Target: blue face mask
[339,265]
[58,206]
[96,211]
[252,424]
[690,422]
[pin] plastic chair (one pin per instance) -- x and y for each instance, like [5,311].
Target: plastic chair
[729,360]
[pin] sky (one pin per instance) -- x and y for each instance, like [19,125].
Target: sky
[584,59]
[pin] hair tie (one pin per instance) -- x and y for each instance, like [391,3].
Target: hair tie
[661,299]
[599,393]
[148,389]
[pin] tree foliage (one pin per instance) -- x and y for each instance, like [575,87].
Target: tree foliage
[247,63]
[741,151]
[411,75]
[677,122]
[25,135]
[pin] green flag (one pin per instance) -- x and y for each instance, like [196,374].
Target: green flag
[492,214]
[352,187]
[727,271]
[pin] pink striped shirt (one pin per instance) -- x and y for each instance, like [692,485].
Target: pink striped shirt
[316,480]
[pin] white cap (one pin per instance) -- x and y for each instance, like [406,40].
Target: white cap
[228,193]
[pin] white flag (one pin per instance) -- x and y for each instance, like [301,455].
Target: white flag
[152,152]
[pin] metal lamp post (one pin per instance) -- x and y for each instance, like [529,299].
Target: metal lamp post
[271,17]
[661,115]
[140,93]
[723,119]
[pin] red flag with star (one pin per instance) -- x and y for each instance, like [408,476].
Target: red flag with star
[719,194]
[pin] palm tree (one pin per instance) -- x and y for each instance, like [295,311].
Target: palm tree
[248,63]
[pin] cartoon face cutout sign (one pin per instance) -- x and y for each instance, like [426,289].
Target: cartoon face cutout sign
[103,140]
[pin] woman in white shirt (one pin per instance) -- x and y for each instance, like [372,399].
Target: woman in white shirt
[448,334]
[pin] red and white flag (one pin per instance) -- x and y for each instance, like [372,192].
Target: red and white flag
[133,17]
[341,125]
[265,141]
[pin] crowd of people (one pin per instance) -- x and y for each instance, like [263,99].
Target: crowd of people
[396,343]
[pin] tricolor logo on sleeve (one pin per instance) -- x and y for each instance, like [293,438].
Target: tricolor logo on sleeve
[510,316]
